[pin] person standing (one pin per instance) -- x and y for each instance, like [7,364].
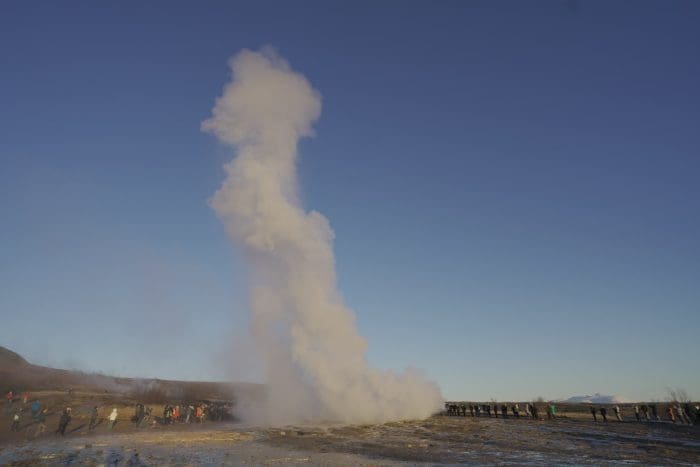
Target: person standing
[604,414]
[15,422]
[64,421]
[688,412]
[682,417]
[617,413]
[535,415]
[113,418]
[36,408]
[645,412]
[669,412]
[636,413]
[654,413]
[93,418]
[41,423]
[593,412]
[146,416]
[504,411]
[139,413]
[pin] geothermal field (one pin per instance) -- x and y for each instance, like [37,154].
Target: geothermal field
[572,438]
[513,210]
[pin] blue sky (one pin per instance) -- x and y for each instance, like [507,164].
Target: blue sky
[513,187]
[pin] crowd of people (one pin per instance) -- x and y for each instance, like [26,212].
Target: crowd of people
[30,414]
[675,413]
[489,410]
[24,409]
[682,413]
[191,413]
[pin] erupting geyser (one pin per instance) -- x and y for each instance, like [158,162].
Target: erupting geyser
[315,358]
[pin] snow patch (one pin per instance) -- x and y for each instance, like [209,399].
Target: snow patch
[596,398]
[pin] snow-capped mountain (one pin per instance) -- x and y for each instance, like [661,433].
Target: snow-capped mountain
[596,398]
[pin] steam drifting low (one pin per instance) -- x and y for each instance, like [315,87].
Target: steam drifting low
[307,337]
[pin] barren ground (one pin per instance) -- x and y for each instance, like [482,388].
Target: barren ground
[571,439]
[439,439]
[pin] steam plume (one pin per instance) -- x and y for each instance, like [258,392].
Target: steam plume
[315,358]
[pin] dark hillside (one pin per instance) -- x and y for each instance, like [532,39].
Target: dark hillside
[19,375]
[10,359]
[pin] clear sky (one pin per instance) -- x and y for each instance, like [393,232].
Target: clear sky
[514,187]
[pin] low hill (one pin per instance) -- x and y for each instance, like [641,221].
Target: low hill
[19,375]
[10,359]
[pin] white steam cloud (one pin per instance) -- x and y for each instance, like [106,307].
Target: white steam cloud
[315,358]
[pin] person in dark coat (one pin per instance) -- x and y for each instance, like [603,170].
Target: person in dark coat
[93,419]
[593,412]
[41,423]
[64,421]
[604,414]
[688,412]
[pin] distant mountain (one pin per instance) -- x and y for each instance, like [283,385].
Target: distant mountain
[596,398]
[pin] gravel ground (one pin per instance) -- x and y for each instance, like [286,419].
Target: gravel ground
[440,439]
